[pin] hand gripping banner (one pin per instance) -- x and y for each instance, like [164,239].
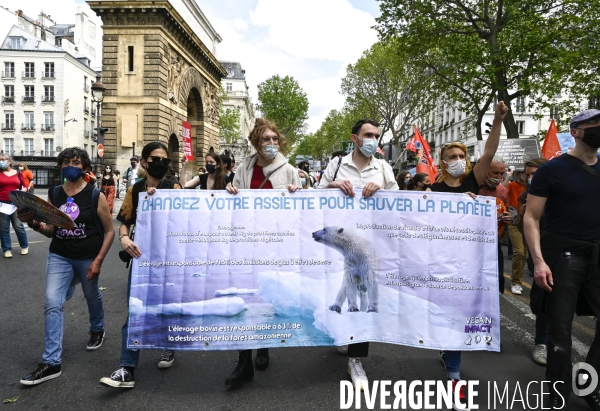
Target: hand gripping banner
[267,268]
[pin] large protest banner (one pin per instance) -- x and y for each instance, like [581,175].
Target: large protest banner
[267,268]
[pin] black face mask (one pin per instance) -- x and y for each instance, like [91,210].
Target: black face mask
[211,168]
[426,186]
[591,137]
[157,170]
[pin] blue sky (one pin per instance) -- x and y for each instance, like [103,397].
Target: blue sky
[310,40]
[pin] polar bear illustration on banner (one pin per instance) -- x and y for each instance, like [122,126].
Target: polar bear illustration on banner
[360,269]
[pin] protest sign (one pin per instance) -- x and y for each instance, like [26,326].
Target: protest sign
[186,137]
[42,210]
[267,268]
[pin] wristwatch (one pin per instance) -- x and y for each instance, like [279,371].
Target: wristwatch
[123,235]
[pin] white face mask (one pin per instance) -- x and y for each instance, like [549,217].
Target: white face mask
[369,147]
[456,168]
[529,181]
[21,168]
[269,151]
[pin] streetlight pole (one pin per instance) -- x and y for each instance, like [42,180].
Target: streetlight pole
[97,96]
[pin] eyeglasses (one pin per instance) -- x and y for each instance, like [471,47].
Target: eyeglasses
[274,140]
[156,159]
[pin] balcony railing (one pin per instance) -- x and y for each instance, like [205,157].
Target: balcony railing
[29,100]
[48,75]
[86,109]
[47,99]
[8,127]
[29,75]
[28,127]
[86,133]
[47,127]
[93,111]
[8,74]
[8,99]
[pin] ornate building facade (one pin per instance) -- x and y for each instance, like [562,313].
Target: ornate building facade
[159,69]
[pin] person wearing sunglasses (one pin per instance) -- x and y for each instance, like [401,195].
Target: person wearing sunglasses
[156,164]
[75,256]
[267,169]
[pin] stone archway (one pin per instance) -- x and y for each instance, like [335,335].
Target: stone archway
[154,65]
[173,152]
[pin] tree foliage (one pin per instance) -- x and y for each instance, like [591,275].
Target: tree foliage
[477,50]
[388,88]
[229,121]
[282,100]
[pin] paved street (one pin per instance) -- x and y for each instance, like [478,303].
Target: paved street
[298,378]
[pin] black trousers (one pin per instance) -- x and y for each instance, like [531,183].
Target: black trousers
[358,350]
[571,273]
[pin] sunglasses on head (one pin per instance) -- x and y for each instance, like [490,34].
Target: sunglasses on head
[156,159]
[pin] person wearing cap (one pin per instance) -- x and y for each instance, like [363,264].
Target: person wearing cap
[566,190]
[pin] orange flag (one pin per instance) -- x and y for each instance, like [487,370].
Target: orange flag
[551,146]
[421,148]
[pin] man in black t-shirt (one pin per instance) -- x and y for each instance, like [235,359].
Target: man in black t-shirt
[565,255]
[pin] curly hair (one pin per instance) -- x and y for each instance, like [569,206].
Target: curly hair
[443,165]
[75,152]
[260,126]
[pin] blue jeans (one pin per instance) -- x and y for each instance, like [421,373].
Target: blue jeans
[129,358]
[5,221]
[452,361]
[62,274]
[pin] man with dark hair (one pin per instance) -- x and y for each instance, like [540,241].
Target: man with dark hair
[339,153]
[130,176]
[359,169]
[566,191]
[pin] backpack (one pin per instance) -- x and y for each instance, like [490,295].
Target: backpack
[95,196]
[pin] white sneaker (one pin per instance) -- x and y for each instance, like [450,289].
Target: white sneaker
[516,289]
[358,375]
[7,254]
[342,349]
[25,251]
[539,354]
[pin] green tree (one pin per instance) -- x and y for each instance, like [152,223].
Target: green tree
[482,50]
[383,85]
[282,100]
[229,121]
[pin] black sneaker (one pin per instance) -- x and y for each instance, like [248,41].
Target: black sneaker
[119,379]
[96,340]
[43,372]
[167,358]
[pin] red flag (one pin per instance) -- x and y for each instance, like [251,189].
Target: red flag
[551,146]
[421,148]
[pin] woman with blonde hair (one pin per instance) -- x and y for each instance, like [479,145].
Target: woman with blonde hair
[458,176]
[267,169]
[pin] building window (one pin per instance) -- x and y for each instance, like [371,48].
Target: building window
[9,145]
[9,120]
[9,91]
[521,127]
[48,93]
[554,113]
[9,70]
[49,121]
[29,121]
[28,145]
[30,91]
[452,135]
[49,70]
[130,58]
[85,148]
[16,43]
[48,146]
[446,137]
[29,70]
[229,86]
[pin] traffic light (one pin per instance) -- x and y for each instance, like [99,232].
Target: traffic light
[101,132]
